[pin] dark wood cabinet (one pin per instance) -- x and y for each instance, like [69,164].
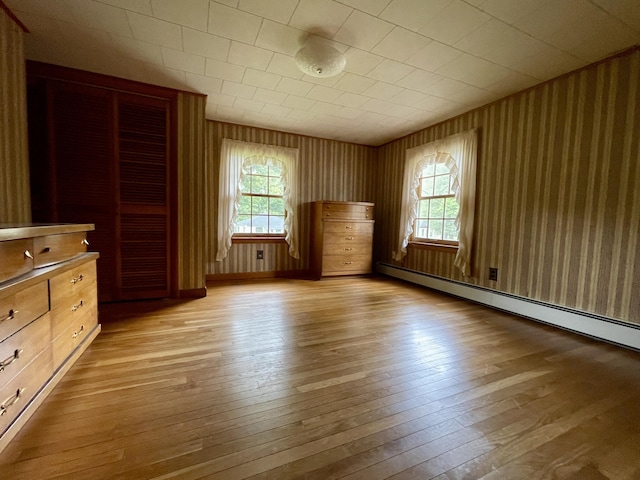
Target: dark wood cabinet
[106,160]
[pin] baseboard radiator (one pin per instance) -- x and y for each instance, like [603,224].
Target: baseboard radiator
[595,326]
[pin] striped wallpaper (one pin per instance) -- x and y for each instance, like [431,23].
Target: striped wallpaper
[15,199]
[558,209]
[191,181]
[329,170]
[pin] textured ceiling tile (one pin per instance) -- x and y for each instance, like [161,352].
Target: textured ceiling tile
[278,110]
[390,71]
[58,9]
[321,17]
[284,65]
[361,62]
[269,96]
[233,24]
[549,18]
[250,105]
[419,80]
[373,7]
[279,38]
[98,15]
[434,56]
[190,13]
[351,100]
[205,44]
[204,84]
[354,83]
[454,22]
[382,90]
[410,97]
[400,44]
[362,31]
[626,10]
[325,108]
[249,56]
[510,11]
[183,61]
[238,89]
[474,71]
[413,14]
[299,103]
[137,50]
[348,113]
[295,87]
[224,70]
[156,31]
[301,114]
[258,78]
[324,94]
[279,11]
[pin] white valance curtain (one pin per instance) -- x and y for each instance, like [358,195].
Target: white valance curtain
[459,152]
[236,159]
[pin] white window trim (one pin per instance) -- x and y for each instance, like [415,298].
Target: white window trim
[236,158]
[460,149]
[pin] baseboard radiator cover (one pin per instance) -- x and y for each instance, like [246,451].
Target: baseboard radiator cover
[596,326]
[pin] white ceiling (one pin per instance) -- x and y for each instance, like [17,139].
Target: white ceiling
[410,63]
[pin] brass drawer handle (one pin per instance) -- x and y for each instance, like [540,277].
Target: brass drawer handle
[10,360]
[11,316]
[347,249]
[10,401]
[348,263]
[27,254]
[76,307]
[348,227]
[77,279]
[348,238]
[46,250]
[79,332]
[84,242]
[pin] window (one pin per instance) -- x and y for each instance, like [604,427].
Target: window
[261,208]
[438,196]
[258,194]
[437,206]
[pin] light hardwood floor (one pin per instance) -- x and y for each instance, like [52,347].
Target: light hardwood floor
[356,378]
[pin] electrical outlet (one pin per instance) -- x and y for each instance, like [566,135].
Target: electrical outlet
[493,274]
[260,255]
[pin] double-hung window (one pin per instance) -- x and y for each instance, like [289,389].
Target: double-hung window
[438,196]
[258,194]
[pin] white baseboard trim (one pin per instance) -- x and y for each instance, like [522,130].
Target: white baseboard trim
[603,328]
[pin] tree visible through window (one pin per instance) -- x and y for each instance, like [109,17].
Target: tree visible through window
[437,207]
[261,208]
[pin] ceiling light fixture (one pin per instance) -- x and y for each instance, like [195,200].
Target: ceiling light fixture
[320,60]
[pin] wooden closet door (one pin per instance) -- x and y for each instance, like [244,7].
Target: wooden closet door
[142,153]
[80,122]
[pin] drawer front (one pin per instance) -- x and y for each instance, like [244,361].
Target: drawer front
[346,210]
[16,394]
[66,286]
[17,258]
[22,308]
[347,249]
[346,264]
[77,305]
[347,239]
[348,227]
[19,350]
[77,329]
[52,249]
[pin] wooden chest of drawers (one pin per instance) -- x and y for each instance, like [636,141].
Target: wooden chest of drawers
[341,238]
[48,314]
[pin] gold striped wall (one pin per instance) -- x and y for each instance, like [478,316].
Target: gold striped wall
[329,170]
[558,207]
[15,199]
[191,209]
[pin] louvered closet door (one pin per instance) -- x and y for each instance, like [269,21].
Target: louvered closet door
[81,142]
[143,171]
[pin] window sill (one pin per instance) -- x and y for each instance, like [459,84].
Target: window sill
[438,247]
[257,239]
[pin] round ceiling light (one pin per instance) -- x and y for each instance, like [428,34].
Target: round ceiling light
[320,60]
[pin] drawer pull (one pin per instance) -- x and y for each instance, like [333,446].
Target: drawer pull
[348,238]
[27,254]
[10,401]
[348,263]
[77,279]
[84,242]
[79,332]
[348,249]
[46,250]
[11,316]
[76,307]
[10,360]
[348,227]
[366,216]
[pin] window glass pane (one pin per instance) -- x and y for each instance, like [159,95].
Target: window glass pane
[435,229]
[246,184]
[245,205]
[436,209]
[441,168]
[243,224]
[422,227]
[275,186]
[276,206]
[426,187]
[429,170]
[276,224]
[450,231]
[259,184]
[260,169]
[441,185]
[423,208]
[260,206]
[275,170]
[451,208]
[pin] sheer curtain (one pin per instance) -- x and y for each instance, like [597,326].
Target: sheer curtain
[236,159]
[459,152]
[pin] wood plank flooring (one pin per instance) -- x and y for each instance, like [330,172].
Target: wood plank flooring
[349,378]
